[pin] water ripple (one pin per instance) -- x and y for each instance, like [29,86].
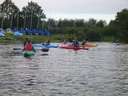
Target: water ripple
[100,71]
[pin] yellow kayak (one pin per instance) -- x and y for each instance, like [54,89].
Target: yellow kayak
[89,45]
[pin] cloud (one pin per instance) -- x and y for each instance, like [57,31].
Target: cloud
[74,8]
[107,17]
[78,6]
[85,6]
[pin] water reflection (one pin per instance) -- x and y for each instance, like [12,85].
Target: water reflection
[100,71]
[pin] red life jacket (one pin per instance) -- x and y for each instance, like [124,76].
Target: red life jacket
[28,47]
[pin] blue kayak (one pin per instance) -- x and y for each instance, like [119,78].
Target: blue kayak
[40,46]
[50,46]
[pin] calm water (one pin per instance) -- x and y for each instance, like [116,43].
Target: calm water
[100,71]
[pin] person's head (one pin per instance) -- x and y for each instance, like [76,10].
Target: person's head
[86,39]
[73,40]
[29,41]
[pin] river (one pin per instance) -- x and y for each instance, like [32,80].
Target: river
[100,71]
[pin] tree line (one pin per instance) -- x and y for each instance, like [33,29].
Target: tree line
[29,17]
[93,30]
[33,16]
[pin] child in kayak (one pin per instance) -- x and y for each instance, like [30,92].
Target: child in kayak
[28,46]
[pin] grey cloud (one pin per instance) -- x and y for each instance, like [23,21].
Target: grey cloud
[86,6]
[78,6]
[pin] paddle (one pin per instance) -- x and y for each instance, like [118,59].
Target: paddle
[17,49]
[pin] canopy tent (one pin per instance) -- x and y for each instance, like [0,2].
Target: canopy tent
[27,31]
[35,32]
[2,34]
[9,31]
[17,33]
[2,30]
[40,32]
[47,33]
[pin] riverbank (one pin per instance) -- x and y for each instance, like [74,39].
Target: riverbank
[10,39]
[34,39]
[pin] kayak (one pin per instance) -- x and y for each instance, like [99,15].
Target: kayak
[28,54]
[68,46]
[17,49]
[40,46]
[90,45]
[51,46]
[45,49]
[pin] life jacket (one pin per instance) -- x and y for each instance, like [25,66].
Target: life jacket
[28,47]
[75,43]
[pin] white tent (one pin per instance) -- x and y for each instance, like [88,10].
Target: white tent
[17,33]
[2,34]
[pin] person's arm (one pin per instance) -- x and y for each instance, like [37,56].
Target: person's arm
[33,49]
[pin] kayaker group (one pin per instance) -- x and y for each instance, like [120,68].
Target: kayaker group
[74,44]
[28,46]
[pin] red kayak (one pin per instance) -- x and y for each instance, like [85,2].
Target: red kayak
[70,46]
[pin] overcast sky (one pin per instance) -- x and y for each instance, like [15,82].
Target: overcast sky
[78,8]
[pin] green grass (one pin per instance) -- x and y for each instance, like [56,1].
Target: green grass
[35,39]
[108,39]
[10,39]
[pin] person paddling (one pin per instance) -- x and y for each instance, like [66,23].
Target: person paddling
[28,46]
[48,42]
[75,43]
[84,42]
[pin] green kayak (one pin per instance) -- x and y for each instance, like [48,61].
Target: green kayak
[29,54]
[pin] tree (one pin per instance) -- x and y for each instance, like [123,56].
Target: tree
[120,25]
[101,24]
[79,22]
[92,23]
[122,19]
[33,14]
[93,36]
[9,10]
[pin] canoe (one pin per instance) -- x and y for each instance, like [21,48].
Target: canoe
[28,54]
[67,46]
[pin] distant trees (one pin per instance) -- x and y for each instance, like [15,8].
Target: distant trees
[30,16]
[8,12]
[119,26]
[116,30]
[78,28]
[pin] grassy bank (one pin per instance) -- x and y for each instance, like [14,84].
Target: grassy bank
[10,39]
[34,39]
